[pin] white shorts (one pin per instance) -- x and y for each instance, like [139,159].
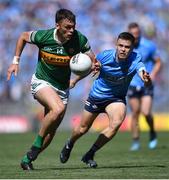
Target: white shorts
[37,84]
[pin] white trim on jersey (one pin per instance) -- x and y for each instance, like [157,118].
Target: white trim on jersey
[142,68]
[55,37]
[32,36]
[30,33]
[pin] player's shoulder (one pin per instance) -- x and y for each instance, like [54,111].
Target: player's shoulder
[81,40]
[45,31]
[79,34]
[105,55]
[42,35]
[136,56]
[148,43]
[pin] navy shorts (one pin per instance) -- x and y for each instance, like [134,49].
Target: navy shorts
[138,92]
[98,105]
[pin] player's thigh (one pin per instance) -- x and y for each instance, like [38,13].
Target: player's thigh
[135,104]
[87,118]
[49,98]
[146,104]
[116,112]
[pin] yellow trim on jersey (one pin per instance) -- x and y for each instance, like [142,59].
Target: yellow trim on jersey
[55,59]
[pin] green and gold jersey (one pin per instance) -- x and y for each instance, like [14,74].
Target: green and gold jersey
[54,57]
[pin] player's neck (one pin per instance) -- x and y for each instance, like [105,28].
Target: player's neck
[58,37]
[118,60]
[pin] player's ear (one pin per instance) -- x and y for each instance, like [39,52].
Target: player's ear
[57,25]
[116,44]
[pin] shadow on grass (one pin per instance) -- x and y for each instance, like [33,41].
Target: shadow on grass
[102,167]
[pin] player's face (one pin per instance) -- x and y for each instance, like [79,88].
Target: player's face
[66,29]
[124,48]
[136,33]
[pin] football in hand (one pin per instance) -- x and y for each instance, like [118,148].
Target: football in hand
[80,64]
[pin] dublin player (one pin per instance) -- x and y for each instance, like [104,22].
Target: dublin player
[118,66]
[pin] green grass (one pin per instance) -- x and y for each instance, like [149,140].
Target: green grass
[114,160]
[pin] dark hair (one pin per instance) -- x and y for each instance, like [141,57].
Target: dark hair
[126,36]
[133,25]
[64,14]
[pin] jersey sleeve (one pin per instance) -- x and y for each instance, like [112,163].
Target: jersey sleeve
[38,37]
[102,56]
[99,57]
[154,53]
[85,46]
[140,65]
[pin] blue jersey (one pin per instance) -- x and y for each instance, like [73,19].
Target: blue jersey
[115,77]
[147,49]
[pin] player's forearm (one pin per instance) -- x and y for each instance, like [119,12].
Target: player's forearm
[141,75]
[78,78]
[141,72]
[156,69]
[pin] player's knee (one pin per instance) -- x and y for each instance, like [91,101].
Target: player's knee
[56,112]
[146,114]
[135,114]
[83,130]
[115,126]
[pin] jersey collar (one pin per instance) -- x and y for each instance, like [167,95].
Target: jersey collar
[56,37]
[120,62]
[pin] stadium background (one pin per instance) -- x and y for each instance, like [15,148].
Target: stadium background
[101,21]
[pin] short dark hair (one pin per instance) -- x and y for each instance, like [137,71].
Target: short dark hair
[133,25]
[126,36]
[64,14]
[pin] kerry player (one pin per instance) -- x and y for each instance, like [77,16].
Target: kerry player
[118,66]
[51,82]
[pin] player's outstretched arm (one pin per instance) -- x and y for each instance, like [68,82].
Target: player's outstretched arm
[156,69]
[14,67]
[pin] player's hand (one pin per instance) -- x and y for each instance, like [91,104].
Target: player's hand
[72,83]
[13,68]
[146,78]
[95,68]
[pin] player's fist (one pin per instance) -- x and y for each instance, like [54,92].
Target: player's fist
[95,68]
[146,78]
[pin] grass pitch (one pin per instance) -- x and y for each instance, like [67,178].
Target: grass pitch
[114,160]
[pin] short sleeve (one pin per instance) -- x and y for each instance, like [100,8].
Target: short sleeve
[140,65]
[85,46]
[38,37]
[103,56]
[154,52]
[99,57]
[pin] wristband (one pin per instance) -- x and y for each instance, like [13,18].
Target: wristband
[16,60]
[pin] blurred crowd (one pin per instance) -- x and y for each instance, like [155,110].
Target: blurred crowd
[100,20]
